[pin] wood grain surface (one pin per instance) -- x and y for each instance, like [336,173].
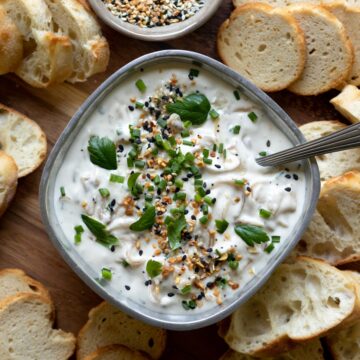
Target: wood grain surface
[23,241]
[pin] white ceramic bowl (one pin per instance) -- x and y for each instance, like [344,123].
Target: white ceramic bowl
[159,33]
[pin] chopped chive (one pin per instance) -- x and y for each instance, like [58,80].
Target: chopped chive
[205,209]
[193,73]
[214,114]
[180,196]
[124,263]
[179,183]
[130,162]
[162,184]
[241,182]
[186,289]
[78,231]
[214,147]
[233,264]
[204,219]
[225,153]
[221,226]
[135,133]
[172,141]
[198,198]
[206,153]
[189,305]
[106,274]
[141,85]
[140,164]
[104,192]
[187,124]
[150,188]
[198,182]
[195,170]
[189,157]
[269,248]
[117,178]
[237,94]
[185,133]
[155,151]
[201,191]
[265,213]
[207,161]
[252,116]
[188,143]
[157,180]
[221,148]
[262,153]
[236,129]
[209,200]
[158,140]
[139,105]
[62,191]
[275,239]
[162,123]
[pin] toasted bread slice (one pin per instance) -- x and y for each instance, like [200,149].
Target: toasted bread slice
[11,44]
[263,44]
[329,51]
[347,103]
[47,53]
[350,17]
[335,164]
[8,180]
[90,49]
[116,352]
[15,281]
[108,326]
[309,351]
[26,330]
[301,301]
[23,139]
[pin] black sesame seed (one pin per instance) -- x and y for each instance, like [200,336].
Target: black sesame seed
[296,177]
[288,189]
[127,287]
[131,108]
[268,143]
[112,249]
[141,252]
[193,217]
[288,176]
[121,148]
[184,258]
[171,294]
[218,166]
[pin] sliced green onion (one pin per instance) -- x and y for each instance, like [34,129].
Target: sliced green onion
[104,192]
[140,164]
[252,116]
[206,152]
[162,123]
[269,248]
[207,161]
[214,114]
[106,274]
[221,226]
[205,209]
[214,147]
[162,185]
[198,198]
[180,196]
[209,200]
[188,143]
[275,239]
[186,289]
[233,264]
[236,129]
[265,213]
[204,219]
[221,148]
[117,178]
[141,85]
[185,133]
[262,153]
[198,182]
[157,180]
[62,191]
[139,105]
[179,183]
[130,162]
[187,124]
[240,182]
[194,73]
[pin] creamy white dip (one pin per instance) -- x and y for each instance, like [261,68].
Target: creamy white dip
[212,261]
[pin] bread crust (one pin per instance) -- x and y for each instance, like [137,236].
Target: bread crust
[131,354]
[8,180]
[11,44]
[341,78]
[40,138]
[300,38]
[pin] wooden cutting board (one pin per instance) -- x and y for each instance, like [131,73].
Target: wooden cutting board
[23,241]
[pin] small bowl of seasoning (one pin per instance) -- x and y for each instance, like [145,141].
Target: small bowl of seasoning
[155,20]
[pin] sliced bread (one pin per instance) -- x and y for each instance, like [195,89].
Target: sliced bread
[26,330]
[23,139]
[335,164]
[116,352]
[350,17]
[302,300]
[264,45]
[108,326]
[8,180]
[11,44]
[90,48]
[329,50]
[347,103]
[47,53]
[309,351]
[15,281]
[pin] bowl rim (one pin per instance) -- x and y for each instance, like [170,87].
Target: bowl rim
[162,33]
[266,101]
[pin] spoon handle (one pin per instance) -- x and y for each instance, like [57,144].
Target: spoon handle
[344,139]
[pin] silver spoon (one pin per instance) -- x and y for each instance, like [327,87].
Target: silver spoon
[344,139]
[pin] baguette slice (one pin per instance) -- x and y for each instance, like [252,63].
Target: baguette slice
[26,330]
[334,232]
[8,180]
[336,164]
[11,44]
[15,281]
[116,352]
[90,49]
[48,54]
[23,139]
[347,103]
[108,326]
[309,351]
[329,50]
[350,17]
[263,44]
[302,300]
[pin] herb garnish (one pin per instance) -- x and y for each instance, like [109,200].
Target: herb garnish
[146,221]
[266,214]
[135,190]
[175,227]
[106,274]
[194,108]
[62,191]
[153,268]
[98,229]
[221,226]
[186,289]
[78,232]
[102,152]
[141,85]
[252,234]
[189,305]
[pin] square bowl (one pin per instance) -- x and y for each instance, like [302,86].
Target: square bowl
[158,33]
[88,274]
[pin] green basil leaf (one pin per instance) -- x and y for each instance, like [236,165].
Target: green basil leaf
[153,268]
[175,226]
[98,229]
[194,108]
[132,184]
[252,234]
[102,152]
[146,221]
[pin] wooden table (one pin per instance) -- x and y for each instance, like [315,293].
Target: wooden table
[23,241]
